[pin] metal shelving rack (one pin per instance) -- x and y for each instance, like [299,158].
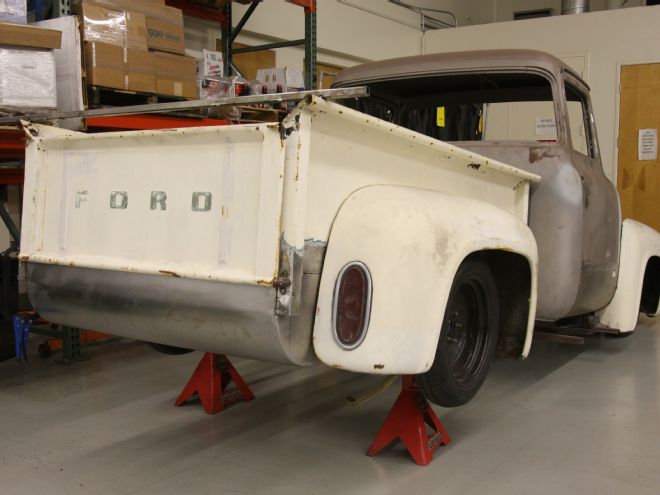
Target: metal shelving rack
[229,33]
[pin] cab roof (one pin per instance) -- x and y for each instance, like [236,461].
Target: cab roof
[438,63]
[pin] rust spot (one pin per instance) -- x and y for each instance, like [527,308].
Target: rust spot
[379,366]
[474,166]
[169,273]
[536,154]
[24,257]
[517,186]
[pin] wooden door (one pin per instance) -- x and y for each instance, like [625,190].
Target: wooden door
[638,181]
[325,74]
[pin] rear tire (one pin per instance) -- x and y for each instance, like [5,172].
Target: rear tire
[467,340]
[169,349]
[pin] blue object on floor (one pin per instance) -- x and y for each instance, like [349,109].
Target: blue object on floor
[22,328]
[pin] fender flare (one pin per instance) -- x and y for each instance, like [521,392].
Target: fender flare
[412,241]
[639,243]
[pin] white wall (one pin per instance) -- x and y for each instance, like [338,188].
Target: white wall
[345,35]
[608,38]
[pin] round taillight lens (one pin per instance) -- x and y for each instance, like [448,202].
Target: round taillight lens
[352,305]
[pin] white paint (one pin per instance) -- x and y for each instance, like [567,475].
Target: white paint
[638,244]
[413,241]
[139,186]
[647,144]
[345,35]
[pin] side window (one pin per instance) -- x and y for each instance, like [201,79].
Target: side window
[520,121]
[579,121]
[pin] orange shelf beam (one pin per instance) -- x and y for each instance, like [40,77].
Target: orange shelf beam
[148,121]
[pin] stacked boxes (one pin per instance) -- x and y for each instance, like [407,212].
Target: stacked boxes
[124,41]
[27,67]
[172,75]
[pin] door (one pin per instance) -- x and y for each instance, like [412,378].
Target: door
[638,180]
[325,74]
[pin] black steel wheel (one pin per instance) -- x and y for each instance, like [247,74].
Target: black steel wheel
[169,349]
[467,340]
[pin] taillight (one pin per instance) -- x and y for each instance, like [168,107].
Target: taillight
[352,304]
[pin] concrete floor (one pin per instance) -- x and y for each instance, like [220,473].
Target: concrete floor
[570,419]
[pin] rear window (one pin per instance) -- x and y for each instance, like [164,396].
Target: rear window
[467,107]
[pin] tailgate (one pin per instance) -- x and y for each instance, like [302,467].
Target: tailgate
[199,203]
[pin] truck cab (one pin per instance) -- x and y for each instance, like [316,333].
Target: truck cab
[530,110]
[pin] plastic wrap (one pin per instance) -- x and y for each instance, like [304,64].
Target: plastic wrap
[107,26]
[27,80]
[13,11]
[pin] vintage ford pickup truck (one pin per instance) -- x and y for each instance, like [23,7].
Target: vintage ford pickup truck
[354,233]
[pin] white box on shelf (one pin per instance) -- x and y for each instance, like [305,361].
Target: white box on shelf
[27,79]
[282,79]
[210,65]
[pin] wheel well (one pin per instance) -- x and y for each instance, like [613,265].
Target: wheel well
[512,275]
[651,287]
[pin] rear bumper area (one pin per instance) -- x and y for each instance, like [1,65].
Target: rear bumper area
[235,319]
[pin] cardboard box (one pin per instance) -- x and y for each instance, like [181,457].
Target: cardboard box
[104,64]
[29,36]
[27,79]
[117,27]
[136,31]
[166,34]
[112,66]
[140,70]
[13,11]
[175,75]
[164,24]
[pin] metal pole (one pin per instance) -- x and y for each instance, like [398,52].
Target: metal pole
[9,223]
[331,94]
[310,47]
[225,30]
[243,20]
[269,46]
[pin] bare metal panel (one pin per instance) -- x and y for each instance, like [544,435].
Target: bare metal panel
[237,319]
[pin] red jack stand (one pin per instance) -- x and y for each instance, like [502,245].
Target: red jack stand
[407,421]
[210,380]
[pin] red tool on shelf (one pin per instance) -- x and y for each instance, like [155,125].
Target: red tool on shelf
[210,380]
[409,420]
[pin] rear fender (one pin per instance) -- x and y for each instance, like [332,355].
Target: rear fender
[639,244]
[412,241]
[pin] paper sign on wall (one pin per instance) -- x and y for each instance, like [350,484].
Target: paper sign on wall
[647,144]
[545,126]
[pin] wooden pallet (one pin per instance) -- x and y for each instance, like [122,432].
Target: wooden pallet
[98,97]
[101,97]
